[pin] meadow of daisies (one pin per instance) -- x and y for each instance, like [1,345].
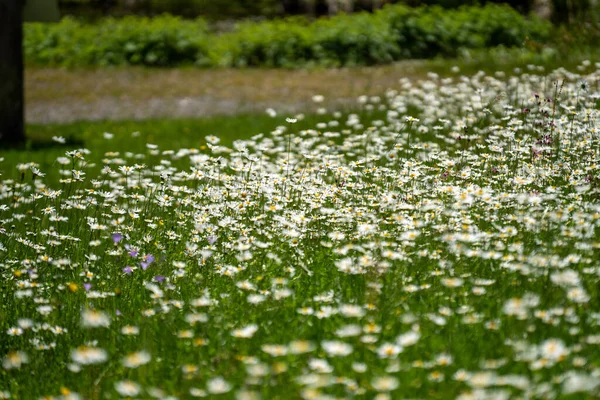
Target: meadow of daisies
[443,241]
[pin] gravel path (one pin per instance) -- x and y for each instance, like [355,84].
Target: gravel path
[62,96]
[112,108]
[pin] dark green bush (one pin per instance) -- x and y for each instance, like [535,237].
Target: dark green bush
[393,33]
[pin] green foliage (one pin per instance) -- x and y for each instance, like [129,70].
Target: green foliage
[354,40]
[396,32]
[523,6]
[160,41]
[443,32]
[393,33]
[278,43]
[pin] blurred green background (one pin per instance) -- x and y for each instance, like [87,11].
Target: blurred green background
[304,33]
[561,11]
[138,59]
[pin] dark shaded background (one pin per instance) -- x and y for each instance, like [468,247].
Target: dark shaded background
[225,9]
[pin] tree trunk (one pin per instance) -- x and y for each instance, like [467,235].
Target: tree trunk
[11,73]
[560,12]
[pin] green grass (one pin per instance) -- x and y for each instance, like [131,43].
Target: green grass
[132,136]
[183,132]
[440,242]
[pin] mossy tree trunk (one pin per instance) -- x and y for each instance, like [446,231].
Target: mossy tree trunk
[11,73]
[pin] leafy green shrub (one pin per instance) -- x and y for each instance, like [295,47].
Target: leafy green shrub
[361,39]
[357,39]
[278,43]
[396,32]
[393,33]
[160,41]
[432,31]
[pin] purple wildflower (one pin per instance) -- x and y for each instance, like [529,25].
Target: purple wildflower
[116,237]
[87,286]
[148,259]
[159,278]
[132,251]
[127,270]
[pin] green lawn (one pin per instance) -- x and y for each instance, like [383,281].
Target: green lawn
[132,136]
